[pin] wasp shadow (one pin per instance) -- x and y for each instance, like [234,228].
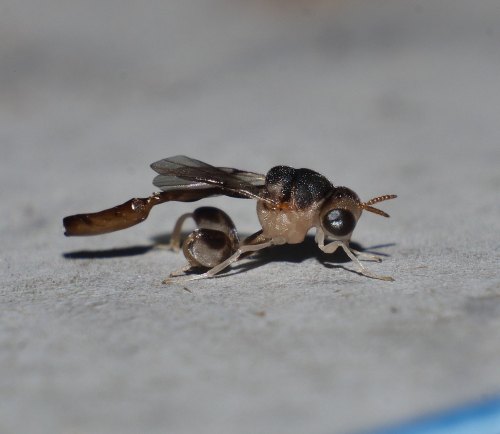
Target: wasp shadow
[308,249]
[295,253]
[158,241]
[109,253]
[117,252]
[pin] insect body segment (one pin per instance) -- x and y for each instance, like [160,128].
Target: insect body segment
[215,239]
[300,188]
[290,202]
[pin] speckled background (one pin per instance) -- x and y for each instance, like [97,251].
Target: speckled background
[383,97]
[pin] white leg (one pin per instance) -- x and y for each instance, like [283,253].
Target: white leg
[334,245]
[218,268]
[365,256]
[181,271]
[175,239]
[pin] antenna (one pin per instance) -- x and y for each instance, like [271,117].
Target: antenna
[367,205]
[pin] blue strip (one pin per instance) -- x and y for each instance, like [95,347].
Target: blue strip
[477,418]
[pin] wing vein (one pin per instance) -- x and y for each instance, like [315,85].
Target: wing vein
[185,173]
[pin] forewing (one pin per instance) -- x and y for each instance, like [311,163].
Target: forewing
[182,172]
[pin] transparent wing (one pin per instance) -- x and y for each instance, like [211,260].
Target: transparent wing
[186,173]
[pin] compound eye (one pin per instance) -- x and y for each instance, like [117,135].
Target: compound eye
[339,222]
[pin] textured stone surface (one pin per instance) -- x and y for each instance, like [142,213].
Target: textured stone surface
[392,97]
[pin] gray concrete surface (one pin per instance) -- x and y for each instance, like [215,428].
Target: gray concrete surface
[384,97]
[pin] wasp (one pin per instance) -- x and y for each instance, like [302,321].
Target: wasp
[290,202]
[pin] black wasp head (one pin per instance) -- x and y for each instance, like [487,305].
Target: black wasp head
[339,222]
[340,213]
[342,210]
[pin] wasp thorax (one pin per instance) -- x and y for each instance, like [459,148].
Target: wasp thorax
[279,183]
[300,188]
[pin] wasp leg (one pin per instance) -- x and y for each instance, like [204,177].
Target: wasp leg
[208,217]
[175,239]
[365,256]
[334,245]
[205,217]
[257,242]
[205,248]
[181,271]
[215,239]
